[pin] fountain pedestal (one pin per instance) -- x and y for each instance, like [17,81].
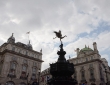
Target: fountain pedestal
[62,70]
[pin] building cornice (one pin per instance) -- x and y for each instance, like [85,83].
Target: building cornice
[84,56]
[20,47]
[19,54]
[88,62]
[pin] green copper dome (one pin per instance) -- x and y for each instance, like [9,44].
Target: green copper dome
[86,49]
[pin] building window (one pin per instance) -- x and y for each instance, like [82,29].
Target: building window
[75,75]
[76,61]
[101,74]
[82,67]
[10,83]
[90,65]
[91,73]
[1,65]
[13,48]
[26,53]
[83,75]
[34,64]
[91,57]
[12,70]
[86,59]
[25,61]
[13,66]
[34,70]
[23,73]
[14,59]
[24,68]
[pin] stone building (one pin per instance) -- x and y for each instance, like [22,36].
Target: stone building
[45,75]
[19,63]
[89,67]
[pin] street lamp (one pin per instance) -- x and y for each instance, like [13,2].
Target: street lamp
[38,75]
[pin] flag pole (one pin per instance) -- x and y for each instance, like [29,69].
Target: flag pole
[28,34]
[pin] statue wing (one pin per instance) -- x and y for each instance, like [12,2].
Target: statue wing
[54,32]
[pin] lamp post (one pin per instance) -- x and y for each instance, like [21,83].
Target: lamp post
[38,75]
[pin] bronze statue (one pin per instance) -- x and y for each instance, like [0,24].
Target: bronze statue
[59,35]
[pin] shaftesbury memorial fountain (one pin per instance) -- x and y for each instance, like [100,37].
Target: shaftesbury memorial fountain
[62,70]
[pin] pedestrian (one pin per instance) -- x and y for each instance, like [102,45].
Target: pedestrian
[35,82]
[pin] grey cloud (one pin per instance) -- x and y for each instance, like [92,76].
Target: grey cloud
[42,17]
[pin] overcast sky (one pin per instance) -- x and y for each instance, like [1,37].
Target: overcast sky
[83,21]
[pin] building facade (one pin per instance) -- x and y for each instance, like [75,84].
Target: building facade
[45,76]
[19,63]
[89,67]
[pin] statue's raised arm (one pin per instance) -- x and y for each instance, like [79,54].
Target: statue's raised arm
[59,35]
